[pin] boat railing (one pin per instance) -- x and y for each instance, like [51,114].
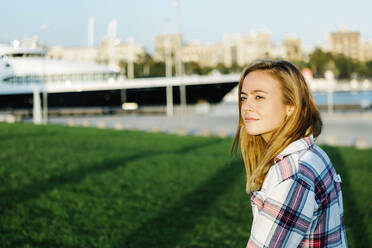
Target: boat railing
[50,78]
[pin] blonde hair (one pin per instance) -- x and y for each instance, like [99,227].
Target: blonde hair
[305,120]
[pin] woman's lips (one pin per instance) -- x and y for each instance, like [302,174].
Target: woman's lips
[250,119]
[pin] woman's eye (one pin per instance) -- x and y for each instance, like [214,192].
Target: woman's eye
[242,98]
[259,97]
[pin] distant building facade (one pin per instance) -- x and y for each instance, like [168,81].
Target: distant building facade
[367,51]
[258,46]
[236,49]
[347,43]
[293,50]
[203,54]
[111,51]
[242,50]
[278,52]
[232,46]
[83,54]
[166,44]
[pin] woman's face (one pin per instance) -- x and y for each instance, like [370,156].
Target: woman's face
[262,109]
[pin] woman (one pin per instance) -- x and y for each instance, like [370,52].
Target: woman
[295,192]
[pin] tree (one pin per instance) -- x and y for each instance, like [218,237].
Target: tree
[301,64]
[222,68]
[205,70]
[320,62]
[235,67]
[145,62]
[123,66]
[192,68]
[157,69]
[344,67]
[137,69]
[348,67]
[368,69]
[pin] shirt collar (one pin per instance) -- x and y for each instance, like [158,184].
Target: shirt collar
[296,146]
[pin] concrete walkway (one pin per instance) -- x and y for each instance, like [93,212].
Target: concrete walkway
[348,129]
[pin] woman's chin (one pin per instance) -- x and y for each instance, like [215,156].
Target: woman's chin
[252,132]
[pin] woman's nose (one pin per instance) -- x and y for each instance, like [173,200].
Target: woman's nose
[247,106]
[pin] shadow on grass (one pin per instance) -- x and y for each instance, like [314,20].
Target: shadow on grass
[352,215]
[11,198]
[167,228]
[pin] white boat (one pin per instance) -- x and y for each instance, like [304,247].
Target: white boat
[22,65]
[96,85]
[24,68]
[6,70]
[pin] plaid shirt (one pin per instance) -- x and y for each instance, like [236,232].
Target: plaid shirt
[300,202]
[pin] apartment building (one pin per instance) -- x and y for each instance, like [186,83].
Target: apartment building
[242,50]
[204,54]
[347,43]
[83,54]
[167,44]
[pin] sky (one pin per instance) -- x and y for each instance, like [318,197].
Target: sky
[66,22]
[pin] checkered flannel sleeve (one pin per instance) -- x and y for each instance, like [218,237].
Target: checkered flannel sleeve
[284,214]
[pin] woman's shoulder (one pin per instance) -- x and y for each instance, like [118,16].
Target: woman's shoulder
[301,159]
[314,160]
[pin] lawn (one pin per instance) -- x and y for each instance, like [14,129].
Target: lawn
[84,187]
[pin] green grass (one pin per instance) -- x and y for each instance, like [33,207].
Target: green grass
[83,187]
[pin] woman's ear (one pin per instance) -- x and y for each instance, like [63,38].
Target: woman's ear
[290,109]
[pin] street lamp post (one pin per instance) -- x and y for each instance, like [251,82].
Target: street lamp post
[44,82]
[36,113]
[130,66]
[331,84]
[45,102]
[168,74]
[179,65]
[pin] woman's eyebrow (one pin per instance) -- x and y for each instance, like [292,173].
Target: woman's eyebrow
[259,90]
[254,91]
